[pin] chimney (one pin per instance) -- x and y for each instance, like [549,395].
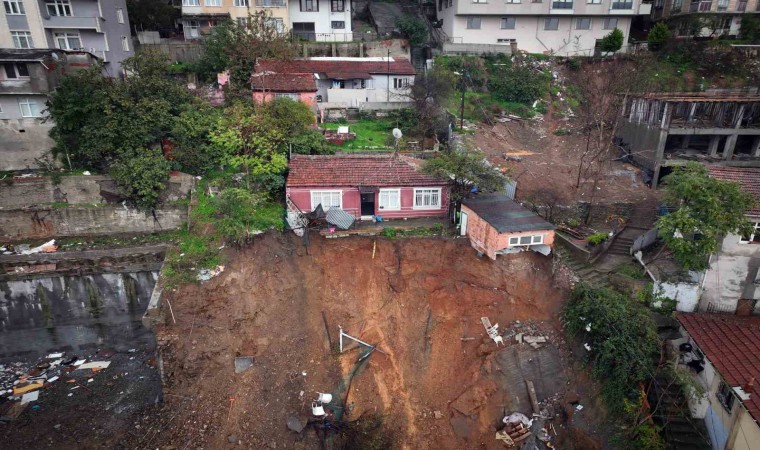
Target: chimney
[749,386]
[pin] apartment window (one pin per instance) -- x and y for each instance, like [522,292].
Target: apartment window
[676,6]
[390,199]
[241,2]
[473,23]
[594,2]
[517,241]
[291,95]
[125,43]
[16,70]
[427,198]
[400,83]
[337,5]
[508,23]
[610,23]
[22,39]
[119,15]
[583,23]
[512,1]
[191,2]
[58,7]
[213,2]
[753,237]
[310,5]
[479,1]
[338,25]
[28,107]
[725,396]
[551,23]
[623,4]
[722,5]
[276,23]
[67,41]
[14,7]
[369,84]
[328,199]
[562,4]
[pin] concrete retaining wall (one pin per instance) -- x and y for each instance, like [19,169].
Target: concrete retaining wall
[476,49]
[21,141]
[48,222]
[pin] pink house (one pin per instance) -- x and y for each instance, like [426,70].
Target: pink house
[365,185]
[497,225]
[266,86]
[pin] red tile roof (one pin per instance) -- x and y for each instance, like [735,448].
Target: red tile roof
[732,344]
[336,66]
[747,177]
[283,82]
[356,170]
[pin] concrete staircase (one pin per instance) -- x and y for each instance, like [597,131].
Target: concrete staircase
[679,429]
[582,269]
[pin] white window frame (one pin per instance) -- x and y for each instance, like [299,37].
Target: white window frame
[400,83]
[191,2]
[317,201]
[505,20]
[607,21]
[14,8]
[28,103]
[242,21]
[480,1]
[213,3]
[17,36]
[59,6]
[517,241]
[66,36]
[513,1]
[369,83]
[755,232]
[242,3]
[471,23]
[333,22]
[390,206]
[120,15]
[125,43]
[594,2]
[424,192]
[16,75]
[291,95]
[578,20]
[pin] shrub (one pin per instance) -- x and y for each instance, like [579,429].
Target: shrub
[518,84]
[658,36]
[597,238]
[141,177]
[389,232]
[613,41]
[414,29]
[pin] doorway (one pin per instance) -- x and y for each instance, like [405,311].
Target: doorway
[368,204]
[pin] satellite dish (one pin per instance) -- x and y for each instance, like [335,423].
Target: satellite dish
[397,133]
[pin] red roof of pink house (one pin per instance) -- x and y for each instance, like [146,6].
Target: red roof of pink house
[356,170]
[732,344]
[747,177]
[338,67]
[283,82]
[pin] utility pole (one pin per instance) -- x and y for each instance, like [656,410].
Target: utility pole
[461,108]
[388,79]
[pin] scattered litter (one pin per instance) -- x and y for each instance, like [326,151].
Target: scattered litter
[55,355]
[587,347]
[86,173]
[492,330]
[243,363]
[55,378]
[95,365]
[588,327]
[27,388]
[90,380]
[578,407]
[207,274]
[131,350]
[79,362]
[30,397]
[47,247]
[324,398]
[70,394]
[437,414]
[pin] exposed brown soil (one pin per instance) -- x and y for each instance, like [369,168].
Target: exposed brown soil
[416,300]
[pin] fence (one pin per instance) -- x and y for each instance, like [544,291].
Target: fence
[177,51]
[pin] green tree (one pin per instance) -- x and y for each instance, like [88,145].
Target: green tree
[466,169]
[141,176]
[517,83]
[289,116]
[310,143]
[414,29]
[707,209]
[613,41]
[750,28]
[193,151]
[658,36]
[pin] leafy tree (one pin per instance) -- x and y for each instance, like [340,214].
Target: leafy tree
[289,116]
[466,170]
[414,29]
[311,142]
[613,41]
[240,214]
[517,83]
[151,76]
[658,36]
[707,210]
[193,151]
[750,27]
[249,141]
[152,15]
[141,176]
[236,47]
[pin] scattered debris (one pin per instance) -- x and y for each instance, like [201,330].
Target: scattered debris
[207,274]
[243,363]
[30,397]
[492,330]
[47,247]
[95,365]
[295,424]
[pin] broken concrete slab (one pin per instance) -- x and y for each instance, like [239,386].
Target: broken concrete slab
[243,363]
[295,424]
[94,365]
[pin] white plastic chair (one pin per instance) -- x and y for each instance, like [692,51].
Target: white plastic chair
[317,409]
[324,398]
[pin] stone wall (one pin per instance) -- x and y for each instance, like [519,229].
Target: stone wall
[21,141]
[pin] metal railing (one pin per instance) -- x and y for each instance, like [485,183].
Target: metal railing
[562,5]
[622,5]
[270,3]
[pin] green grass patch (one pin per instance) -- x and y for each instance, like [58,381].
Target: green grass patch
[479,105]
[371,135]
[632,271]
[434,230]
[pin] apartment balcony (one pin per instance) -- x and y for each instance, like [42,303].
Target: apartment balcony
[72,22]
[24,86]
[560,7]
[645,9]
[271,3]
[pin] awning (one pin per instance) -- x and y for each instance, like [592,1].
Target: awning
[348,75]
[340,218]
[367,189]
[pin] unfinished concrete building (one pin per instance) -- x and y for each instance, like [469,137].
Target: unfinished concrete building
[661,130]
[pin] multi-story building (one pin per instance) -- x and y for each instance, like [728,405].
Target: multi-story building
[200,16]
[561,27]
[321,20]
[704,17]
[100,27]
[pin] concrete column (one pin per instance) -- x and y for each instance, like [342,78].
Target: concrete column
[756,147]
[685,141]
[713,147]
[728,149]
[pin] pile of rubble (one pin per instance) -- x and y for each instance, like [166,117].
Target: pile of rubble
[22,384]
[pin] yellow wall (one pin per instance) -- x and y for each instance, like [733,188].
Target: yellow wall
[746,433]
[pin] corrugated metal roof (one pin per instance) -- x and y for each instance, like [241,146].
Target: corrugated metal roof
[339,218]
[505,214]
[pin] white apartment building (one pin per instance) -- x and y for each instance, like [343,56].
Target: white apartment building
[321,20]
[561,27]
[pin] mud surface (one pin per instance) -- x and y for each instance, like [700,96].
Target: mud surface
[441,383]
